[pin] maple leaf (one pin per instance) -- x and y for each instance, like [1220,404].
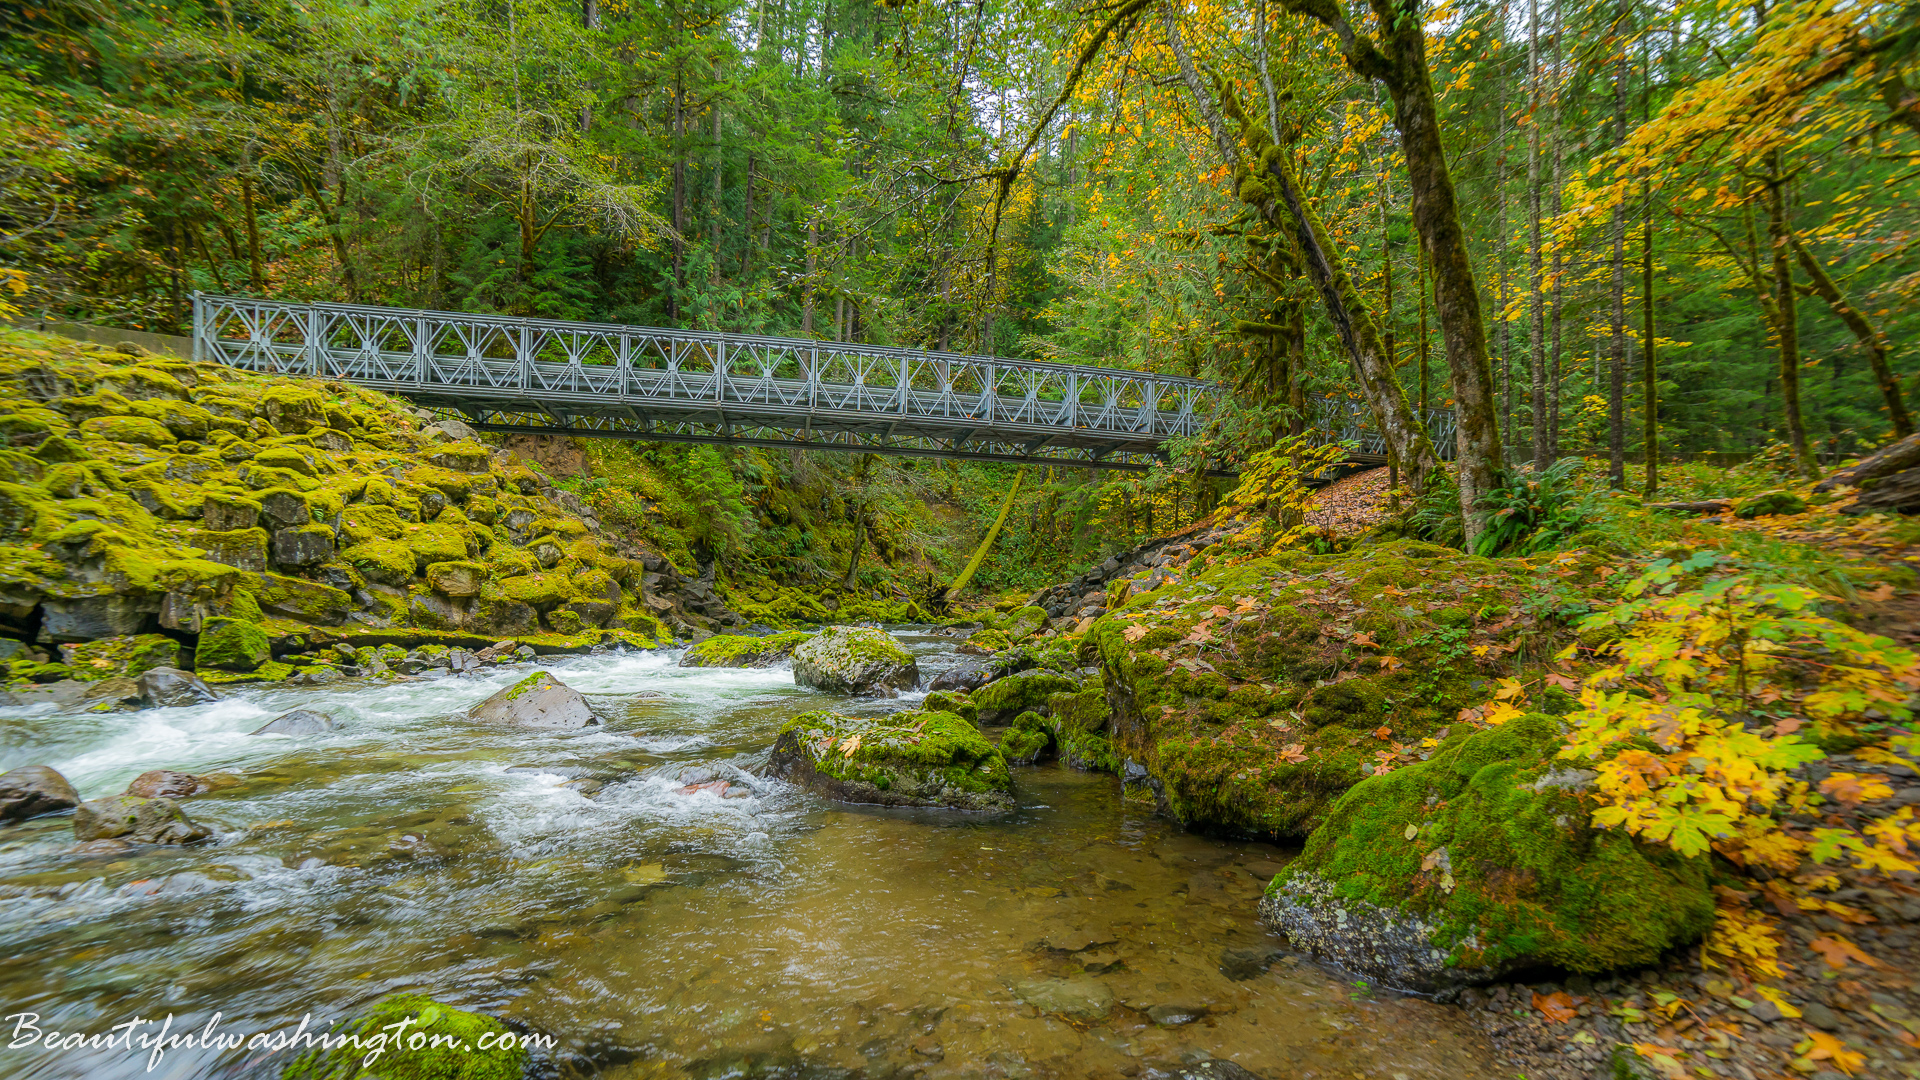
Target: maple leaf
[1838,951]
[1880,595]
[1134,632]
[1850,789]
[1664,1060]
[1556,1007]
[1365,637]
[1567,683]
[851,746]
[1382,732]
[1294,753]
[1824,1047]
[1244,604]
[1201,633]
[1218,611]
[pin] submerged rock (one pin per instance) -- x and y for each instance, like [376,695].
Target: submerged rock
[538,701]
[1463,868]
[165,687]
[167,784]
[855,660]
[1083,999]
[907,759]
[33,790]
[298,722]
[450,1050]
[132,818]
[735,650]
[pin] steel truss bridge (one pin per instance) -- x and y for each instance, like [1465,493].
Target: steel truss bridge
[547,377]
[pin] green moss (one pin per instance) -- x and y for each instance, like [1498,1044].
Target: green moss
[734,650]
[371,521]
[434,543]
[1017,693]
[450,1051]
[136,430]
[1090,753]
[231,645]
[909,758]
[1768,503]
[1503,861]
[1256,715]
[534,590]
[958,704]
[387,561]
[455,486]
[1084,711]
[1027,740]
[127,656]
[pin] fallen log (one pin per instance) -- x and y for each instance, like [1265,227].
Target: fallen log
[1898,493]
[1892,458]
[1706,506]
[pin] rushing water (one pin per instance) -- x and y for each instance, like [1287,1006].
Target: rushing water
[760,932]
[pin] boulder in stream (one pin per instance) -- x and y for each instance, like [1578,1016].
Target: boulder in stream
[296,723]
[738,650]
[855,660]
[1480,862]
[964,678]
[33,790]
[167,784]
[538,701]
[906,759]
[452,1047]
[165,687]
[132,818]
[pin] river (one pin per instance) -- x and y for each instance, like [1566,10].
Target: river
[759,932]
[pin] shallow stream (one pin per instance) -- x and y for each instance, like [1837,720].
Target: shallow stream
[656,933]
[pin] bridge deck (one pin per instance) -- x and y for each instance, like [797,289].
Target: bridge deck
[644,383]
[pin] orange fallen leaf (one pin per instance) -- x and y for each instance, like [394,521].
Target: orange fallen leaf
[1556,1007]
[718,787]
[1838,951]
[1219,611]
[1828,1048]
[1294,752]
[1382,732]
[1134,632]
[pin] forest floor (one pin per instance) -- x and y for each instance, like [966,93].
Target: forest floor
[1351,506]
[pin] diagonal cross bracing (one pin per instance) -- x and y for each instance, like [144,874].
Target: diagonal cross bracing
[646,383]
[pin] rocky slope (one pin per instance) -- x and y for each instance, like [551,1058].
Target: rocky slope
[158,512]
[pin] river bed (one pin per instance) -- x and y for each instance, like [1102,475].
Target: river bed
[759,932]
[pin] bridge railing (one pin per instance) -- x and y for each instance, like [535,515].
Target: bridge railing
[499,357]
[534,367]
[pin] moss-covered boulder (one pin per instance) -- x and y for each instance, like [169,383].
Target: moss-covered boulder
[128,656]
[457,1045]
[855,660]
[1027,740]
[1259,691]
[1024,622]
[1769,503]
[1005,698]
[738,650]
[906,759]
[229,644]
[1479,862]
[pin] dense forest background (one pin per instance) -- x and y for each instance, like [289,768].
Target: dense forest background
[1705,206]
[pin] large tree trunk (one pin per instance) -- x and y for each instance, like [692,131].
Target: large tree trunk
[1617,382]
[1405,435]
[1400,61]
[1872,342]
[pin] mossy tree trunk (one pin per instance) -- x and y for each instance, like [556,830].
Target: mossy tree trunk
[1398,59]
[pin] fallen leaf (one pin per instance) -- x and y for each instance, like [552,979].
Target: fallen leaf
[1219,611]
[1294,753]
[850,746]
[1134,632]
[1838,951]
[1556,1007]
[1382,732]
[1826,1047]
[718,787]
[1365,637]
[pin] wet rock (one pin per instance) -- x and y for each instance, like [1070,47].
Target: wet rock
[296,723]
[1083,999]
[907,759]
[1820,1016]
[137,820]
[34,790]
[855,660]
[113,695]
[1241,964]
[165,687]
[539,702]
[1006,698]
[167,784]
[1175,1015]
[964,678]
